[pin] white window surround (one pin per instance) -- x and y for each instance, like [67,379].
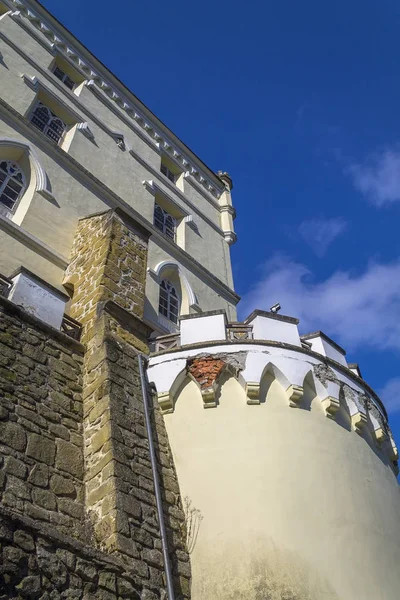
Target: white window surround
[169,301]
[12,182]
[42,182]
[167,265]
[74,117]
[44,119]
[152,187]
[164,221]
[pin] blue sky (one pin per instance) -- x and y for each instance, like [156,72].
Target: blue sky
[299,101]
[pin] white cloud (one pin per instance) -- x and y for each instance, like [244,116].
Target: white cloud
[320,233]
[390,395]
[356,310]
[378,178]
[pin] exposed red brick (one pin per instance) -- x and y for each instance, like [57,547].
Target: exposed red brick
[205,370]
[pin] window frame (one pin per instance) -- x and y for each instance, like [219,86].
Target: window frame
[46,128]
[170,175]
[5,184]
[64,77]
[165,229]
[169,305]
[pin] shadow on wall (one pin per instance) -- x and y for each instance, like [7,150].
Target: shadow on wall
[270,573]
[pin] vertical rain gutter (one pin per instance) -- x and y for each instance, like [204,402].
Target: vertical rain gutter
[157,490]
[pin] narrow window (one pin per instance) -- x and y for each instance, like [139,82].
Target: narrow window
[164,221]
[12,183]
[45,120]
[169,302]
[168,173]
[59,73]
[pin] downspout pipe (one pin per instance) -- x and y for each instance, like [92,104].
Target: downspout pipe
[157,490]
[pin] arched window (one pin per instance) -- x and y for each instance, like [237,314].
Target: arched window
[164,221]
[169,301]
[45,120]
[12,183]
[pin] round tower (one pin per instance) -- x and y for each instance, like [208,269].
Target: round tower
[285,461]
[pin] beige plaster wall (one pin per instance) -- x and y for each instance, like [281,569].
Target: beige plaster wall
[54,222]
[294,505]
[14,253]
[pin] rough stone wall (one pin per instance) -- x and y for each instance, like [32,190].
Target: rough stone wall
[109,259]
[38,562]
[108,272]
[41,457]
[78,515]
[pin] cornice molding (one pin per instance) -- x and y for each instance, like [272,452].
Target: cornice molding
[153,131]
[117,136]
[197,185]
[112,199]
[34,82]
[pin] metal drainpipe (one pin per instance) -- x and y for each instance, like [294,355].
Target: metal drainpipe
[156,480]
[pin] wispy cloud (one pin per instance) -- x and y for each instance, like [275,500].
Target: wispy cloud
[320,233]
[378,178]
[357,310]
[390,394]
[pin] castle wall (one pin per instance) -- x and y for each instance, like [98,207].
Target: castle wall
[103,174]
[74,449]
[293,504]
[41,423]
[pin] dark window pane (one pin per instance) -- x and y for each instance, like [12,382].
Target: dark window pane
[15,185]
[58,73]
[7,201]
[68,82]
[10,193]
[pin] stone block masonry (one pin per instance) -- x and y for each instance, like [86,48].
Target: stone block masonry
[107,273]
[78,515]
[39,562]
[41,443]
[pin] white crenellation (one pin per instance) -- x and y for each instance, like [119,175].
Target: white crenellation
[292,367]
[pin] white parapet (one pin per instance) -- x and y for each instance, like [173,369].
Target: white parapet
[274,327]
[323,344]
[37,297]
[203,327]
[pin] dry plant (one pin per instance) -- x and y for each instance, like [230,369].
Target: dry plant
[193,521]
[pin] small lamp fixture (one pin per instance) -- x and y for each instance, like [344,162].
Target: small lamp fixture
[275,308]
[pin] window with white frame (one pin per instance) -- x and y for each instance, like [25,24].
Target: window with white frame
[169,301]
[59,73]
[48,122]
[12,183]
[164,221]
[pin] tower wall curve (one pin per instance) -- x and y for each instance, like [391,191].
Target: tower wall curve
[288,476]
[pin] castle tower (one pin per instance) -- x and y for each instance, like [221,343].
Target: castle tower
[151,446]
[285,459]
